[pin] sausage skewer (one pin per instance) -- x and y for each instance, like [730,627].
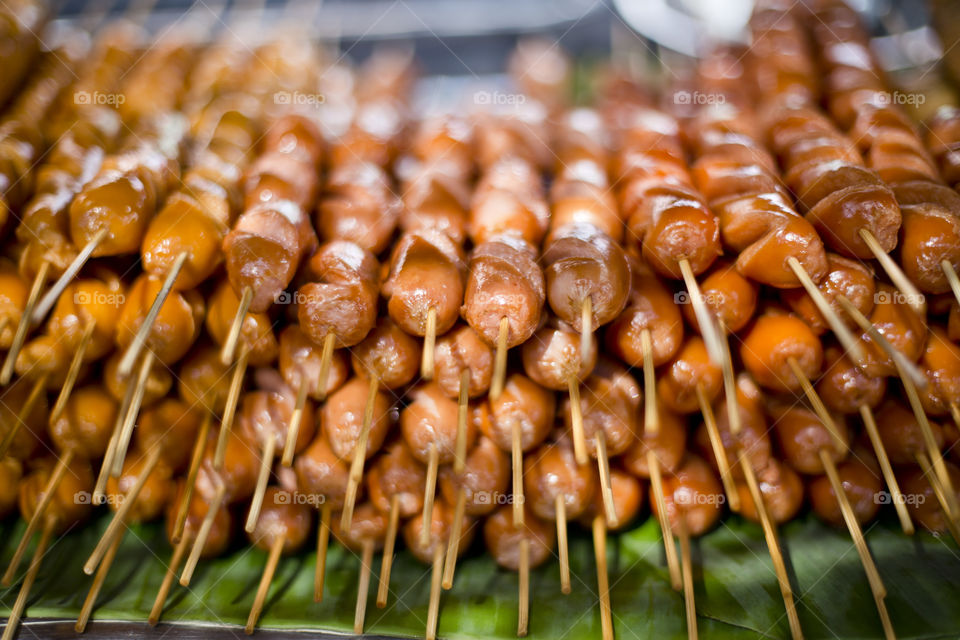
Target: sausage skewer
[264,420]
[78,436]
[60,512]
[555,357]
[759,503]
[282,526]
[387,357]
[216,541]
[846,389]
[795,424]
[396,484]
[300,362]
[474,490]
[628,498]
[463,365]
[160,439]
[519,547]
[901,362]
[366,535]
[520,419]
[558,489]
[428,425]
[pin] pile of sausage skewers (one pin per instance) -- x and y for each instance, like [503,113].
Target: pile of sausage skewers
[243,285]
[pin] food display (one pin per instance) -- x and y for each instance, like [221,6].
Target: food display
[259,286]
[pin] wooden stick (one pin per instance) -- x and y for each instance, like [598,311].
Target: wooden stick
[560,507]
[719,451]
[936,456]
[656,485]
[201,540]
[433,464]
[730,386]
[686,563]
[326,359]
[500,361]
[24,325]
[265,581]
[873,576]
[839,443]
[516,460]
[143,332]
[429,344]
[73,372]
[839,328]
[263,477]
[711,337]
[433,611]
[952,278]
[914,298]
[179,550]
[233,335]
[363,586]
[603,578]
[230,410]
[129,499]
[773,546]
[38,516]
[940,493]
[13,621]
[23,414]
[98,580]
[460,456]
[392,525]
[453,543]
[50,298]
[360,452]
[603,466]
[293,429]
[576,422]
[870,424]
[196,458]
[323,541]
[586,329]
[130,419]
[523,615]
[904,364]
[651,419]
[106,466]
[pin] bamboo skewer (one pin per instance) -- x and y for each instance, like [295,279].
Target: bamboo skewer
[323,541]
[393,523]
[603,578]
[500,360]
[13,621]
[268,570]
[873,576]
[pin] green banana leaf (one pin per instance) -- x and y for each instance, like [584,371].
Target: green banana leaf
[737,595]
